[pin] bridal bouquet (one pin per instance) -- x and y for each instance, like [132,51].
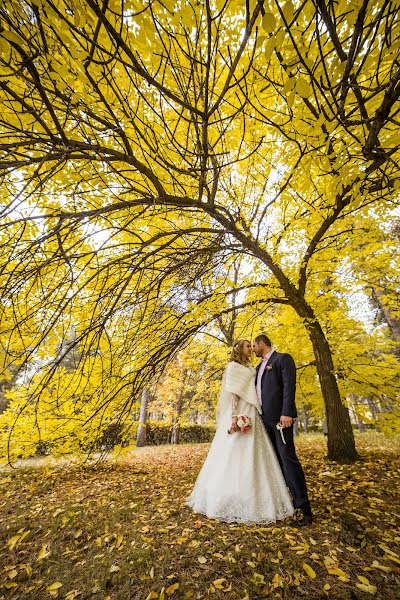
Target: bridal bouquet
[243,423]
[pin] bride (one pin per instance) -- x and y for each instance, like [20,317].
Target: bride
[240,480]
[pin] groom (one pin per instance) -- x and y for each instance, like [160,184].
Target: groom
[276,389]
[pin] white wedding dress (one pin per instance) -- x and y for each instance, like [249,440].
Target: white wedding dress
[240,480]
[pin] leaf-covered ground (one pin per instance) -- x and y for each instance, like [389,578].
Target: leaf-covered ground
[121,531]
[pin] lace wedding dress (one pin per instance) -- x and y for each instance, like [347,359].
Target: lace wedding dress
[240,480]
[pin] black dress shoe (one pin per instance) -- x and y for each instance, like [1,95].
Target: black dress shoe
[306,520]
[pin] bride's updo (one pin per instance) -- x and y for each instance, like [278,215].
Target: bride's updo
[237,353]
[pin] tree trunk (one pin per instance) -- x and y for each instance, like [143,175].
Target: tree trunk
[341,444]
[360,423]
[304,417]
[372,407]
[141,434]
[387,315]
[8,384]
[175,423]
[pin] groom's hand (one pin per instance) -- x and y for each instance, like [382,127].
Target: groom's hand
[286,421]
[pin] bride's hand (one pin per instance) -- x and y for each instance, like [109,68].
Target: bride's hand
[233,426]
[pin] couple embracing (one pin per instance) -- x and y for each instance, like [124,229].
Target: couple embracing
[252,464]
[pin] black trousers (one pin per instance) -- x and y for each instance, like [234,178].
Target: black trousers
[290,464]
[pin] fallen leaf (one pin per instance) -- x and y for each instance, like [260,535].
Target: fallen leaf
[370,589]
[114,569]
[27,568]
[172,589]
[43,552]
[12,574]
[309,570]
[219,583]
[13,541]
[54,587]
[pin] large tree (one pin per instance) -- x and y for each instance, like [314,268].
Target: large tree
[140,141]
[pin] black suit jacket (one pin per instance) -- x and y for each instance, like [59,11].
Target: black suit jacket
[278,387]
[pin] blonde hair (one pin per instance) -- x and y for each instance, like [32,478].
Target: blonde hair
[237,353]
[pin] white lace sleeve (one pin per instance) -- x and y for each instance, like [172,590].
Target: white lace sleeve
[235,404]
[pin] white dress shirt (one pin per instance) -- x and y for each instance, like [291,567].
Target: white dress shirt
[260,374]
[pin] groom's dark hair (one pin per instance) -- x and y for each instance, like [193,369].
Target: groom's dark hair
[263,338]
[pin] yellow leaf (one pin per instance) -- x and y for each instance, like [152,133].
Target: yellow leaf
[23,536]
[43,552]
[12,574]
[291,97]
[288,11]
[336,571]
[277,581]
[27,568]
[363,579]
[289,84]
[269,22]
[202,560]
[72,595]
[114,569]
[152,596]
[303,87]
[172,589]
[309,570]
[151,573]
[269,47]
[11,36]
[54,587]
[13,541]
[392,558]
[377,565]
[327,587]
[219,583]
[370,589]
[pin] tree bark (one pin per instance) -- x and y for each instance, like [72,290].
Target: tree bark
[175,423]
[341,443]
[360,423]
[386,314]
[372,407]
[6,385]
[304,418]
[141,434]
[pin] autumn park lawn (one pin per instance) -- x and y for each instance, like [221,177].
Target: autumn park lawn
[120,530]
